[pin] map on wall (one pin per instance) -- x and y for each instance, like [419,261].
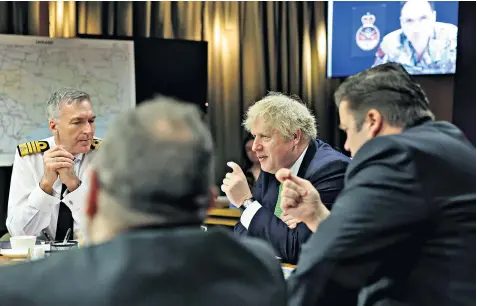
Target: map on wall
[32,68]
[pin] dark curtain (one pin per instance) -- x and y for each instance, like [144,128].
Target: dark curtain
[464,88]
[21,18]
[254,47]
[14,17]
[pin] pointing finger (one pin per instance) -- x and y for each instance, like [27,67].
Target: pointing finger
[235,168]
[283,174]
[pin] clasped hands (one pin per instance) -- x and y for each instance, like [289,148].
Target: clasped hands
[60,163]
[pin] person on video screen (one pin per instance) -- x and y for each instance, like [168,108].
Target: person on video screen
[422,45]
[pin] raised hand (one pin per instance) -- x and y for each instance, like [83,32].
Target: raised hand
[235,185]
[300,200]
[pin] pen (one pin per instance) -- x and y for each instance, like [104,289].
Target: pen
[47,236]
[67,236]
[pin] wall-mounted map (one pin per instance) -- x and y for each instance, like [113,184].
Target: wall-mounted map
[32,68]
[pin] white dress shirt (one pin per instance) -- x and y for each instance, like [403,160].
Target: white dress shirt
[251,210]
[30,209]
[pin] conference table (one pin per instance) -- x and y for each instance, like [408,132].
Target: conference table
[223,216]
[6,261]
[219,216]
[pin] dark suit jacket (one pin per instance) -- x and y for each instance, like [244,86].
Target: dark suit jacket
[402,232]
[325,169]
[174,267]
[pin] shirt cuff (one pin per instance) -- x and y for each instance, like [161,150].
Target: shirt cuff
[249,213]
[76,199]
[42,200]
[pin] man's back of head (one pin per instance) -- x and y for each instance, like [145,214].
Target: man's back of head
[155,165]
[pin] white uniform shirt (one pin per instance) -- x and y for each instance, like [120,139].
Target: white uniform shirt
[252,209]
[30,209]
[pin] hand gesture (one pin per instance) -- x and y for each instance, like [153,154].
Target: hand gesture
[301,200]
[53,160]
[291,221]
[235,185]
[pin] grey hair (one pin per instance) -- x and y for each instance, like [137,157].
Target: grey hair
[64,95]
[284,113]
[157,159]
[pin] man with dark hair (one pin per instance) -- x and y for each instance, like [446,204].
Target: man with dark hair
[402,231]
[388,88]
[422,45]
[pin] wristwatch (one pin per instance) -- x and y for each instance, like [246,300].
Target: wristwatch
[247,202]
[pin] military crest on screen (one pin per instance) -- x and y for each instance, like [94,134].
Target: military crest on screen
[367,36]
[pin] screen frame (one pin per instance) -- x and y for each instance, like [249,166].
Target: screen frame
[329,47]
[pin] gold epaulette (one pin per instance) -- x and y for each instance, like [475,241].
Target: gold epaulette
[96,143]
[32,147]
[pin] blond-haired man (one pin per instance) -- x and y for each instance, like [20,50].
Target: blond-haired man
[285,137]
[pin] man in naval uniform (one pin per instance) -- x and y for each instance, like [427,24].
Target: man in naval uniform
[48,182]
[422,45]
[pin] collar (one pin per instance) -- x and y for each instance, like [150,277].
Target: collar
[296,166]
[79,157]
[418,122]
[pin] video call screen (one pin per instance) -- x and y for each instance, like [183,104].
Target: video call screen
[420,35]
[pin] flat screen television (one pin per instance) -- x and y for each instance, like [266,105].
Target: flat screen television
[420,35]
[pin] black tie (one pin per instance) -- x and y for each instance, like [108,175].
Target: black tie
[65,219]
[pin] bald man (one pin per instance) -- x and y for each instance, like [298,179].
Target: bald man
[421,45]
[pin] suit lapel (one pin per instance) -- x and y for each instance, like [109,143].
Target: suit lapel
[267,188]
[310,153]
